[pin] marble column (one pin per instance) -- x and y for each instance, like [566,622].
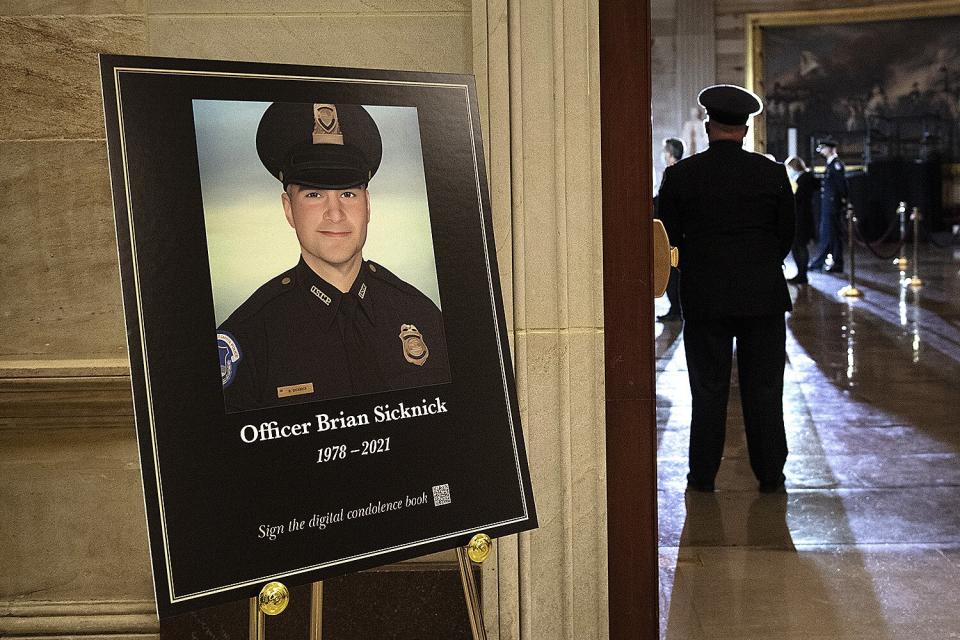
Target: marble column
[538,82]
[695,50]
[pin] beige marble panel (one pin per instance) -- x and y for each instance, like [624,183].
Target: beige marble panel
[65,402]
[542,213]
[567,577]
[415,42]
[50,76]
[70,7]
[73,520]
[582,242]
[121,619]
[583,394]
[728,22]
[547,575]
[58,270]
[538,62]
[493,80]
[730,69]
[731,47]
[236,7]
[662,9]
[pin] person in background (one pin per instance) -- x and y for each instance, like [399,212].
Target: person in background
[672,152]
[731,214]
[806,187]
[833,195]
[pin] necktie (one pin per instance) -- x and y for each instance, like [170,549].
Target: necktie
[355,328]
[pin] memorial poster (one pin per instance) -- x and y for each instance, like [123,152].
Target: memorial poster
[320,367]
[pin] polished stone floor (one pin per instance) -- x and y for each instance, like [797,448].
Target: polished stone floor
[865,543]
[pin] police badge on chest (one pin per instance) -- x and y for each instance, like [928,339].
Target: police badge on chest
[414,348]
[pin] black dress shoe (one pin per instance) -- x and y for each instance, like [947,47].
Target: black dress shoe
[798,280]
[702,487]
[670,316]
[774,486]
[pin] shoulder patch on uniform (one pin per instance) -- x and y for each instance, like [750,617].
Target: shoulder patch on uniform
[230,355]
[837,165]
[272,288]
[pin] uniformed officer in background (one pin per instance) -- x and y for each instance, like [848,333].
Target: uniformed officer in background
[731,213]
[335,324]
[833,195]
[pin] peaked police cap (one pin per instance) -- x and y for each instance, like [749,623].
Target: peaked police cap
[325,146]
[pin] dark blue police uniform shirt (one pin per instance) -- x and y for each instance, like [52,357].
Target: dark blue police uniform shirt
[299,339]
[833,186]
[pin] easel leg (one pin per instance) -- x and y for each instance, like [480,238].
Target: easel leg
[316,611]
[257,620]
[471,595]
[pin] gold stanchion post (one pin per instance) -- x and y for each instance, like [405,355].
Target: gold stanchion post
[316,611]
[915,281]
[851,290]
[902,261]
[477,551]
[257,621]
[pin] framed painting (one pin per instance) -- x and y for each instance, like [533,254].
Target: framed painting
[884,81]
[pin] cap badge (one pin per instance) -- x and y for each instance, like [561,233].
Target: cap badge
[414,348]
[326,125]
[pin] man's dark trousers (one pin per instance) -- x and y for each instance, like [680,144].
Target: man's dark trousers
[760,362]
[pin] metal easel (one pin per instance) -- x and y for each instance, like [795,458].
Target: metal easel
[274,596]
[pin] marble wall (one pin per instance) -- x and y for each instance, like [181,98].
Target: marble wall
[73,549]
[537,67]
[72,542]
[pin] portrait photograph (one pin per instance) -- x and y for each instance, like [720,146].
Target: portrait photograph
[284,272]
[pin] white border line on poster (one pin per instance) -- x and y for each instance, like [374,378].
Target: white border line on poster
[143,342]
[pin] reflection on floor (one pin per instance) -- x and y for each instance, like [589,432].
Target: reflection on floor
[866,543]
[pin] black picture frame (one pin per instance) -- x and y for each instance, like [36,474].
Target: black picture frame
[225,516]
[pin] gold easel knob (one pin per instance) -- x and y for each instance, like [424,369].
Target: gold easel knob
[479,547]
[273,598]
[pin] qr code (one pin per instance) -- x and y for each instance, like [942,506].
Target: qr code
[441,495]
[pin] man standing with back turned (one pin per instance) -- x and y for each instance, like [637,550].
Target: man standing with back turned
[731,213]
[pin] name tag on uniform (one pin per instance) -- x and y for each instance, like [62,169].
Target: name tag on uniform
[295,390]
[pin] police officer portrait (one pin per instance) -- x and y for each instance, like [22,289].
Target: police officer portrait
[320,249]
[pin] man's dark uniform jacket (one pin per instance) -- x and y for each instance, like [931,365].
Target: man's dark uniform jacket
[731,213]
[299,339]
[833,188]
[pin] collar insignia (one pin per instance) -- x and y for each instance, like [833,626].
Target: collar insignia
[324,298]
